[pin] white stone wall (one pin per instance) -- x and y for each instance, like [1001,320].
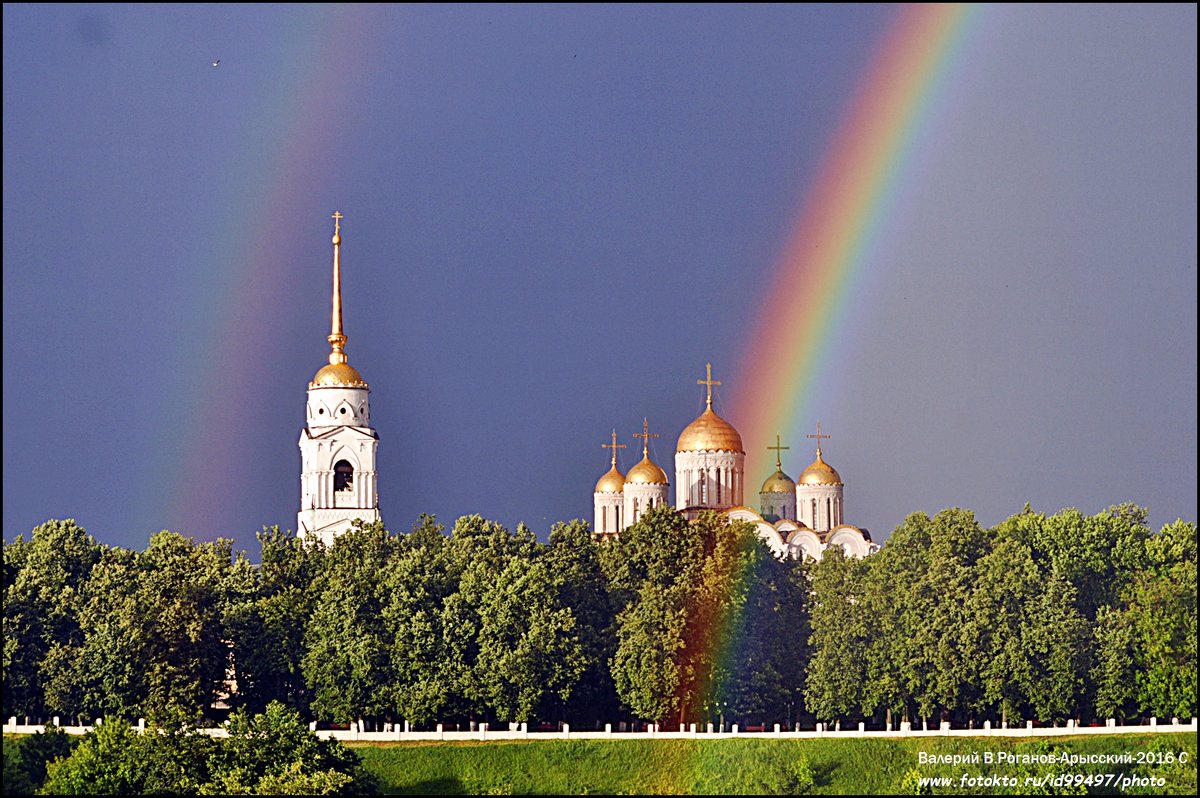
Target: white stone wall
[819,507]
[338,407]
[609,508]
[640,497]
[777,506]
[338,428]
[709,479]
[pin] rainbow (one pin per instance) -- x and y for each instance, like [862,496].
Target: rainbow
[834,245]
[285,167]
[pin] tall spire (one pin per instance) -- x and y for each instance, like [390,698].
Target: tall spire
[337,340]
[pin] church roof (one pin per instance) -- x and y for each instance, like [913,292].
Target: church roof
[709,433]
[778,482]
[646,473]
[611,482]
[819,473]
[338,375]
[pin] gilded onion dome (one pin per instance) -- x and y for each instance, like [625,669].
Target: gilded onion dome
[820,473]
[778,482]
[709,433]
[646,473]
[338,373]
[614,480]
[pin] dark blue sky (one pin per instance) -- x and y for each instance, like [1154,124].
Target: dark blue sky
[554,217]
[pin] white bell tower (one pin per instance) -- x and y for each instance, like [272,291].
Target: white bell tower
[338,482]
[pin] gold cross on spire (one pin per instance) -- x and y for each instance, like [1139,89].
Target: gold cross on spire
[647,434]
[819,436]
[337,221]
[614,446]
[778,449]
[709,381]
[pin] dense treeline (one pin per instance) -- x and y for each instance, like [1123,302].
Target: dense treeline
[1041,617]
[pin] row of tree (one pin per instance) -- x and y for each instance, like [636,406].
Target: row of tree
[1042,617]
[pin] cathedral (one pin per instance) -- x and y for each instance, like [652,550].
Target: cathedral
[800,518]
[338,482]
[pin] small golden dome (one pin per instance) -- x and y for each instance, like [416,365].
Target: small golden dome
[612,482]
[709,433]
[820,473]
[778,482]
[646,473]
[338,375]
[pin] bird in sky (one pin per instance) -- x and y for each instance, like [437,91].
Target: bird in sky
[217,62]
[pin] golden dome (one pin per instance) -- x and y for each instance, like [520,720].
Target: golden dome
[646,473]
[820,473]
[778,482]
[338,375]
[709,433]
[612,482]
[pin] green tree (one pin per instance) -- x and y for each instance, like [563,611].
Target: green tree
[347,659]
[274,753]
[43,579]
[266,614]
[573,557]
[417,582]
[836,671]
[1162,614]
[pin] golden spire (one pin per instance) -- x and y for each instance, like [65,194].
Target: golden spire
[337,341]
[819,436]
[614,446]
[710,382]
[778,449]
[646,435]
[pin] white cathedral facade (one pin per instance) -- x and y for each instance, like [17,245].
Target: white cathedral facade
[796,518]
[338,482]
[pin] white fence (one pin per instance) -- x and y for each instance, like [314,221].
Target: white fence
[401,733]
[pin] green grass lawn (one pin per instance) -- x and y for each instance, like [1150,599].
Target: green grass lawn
[727,767]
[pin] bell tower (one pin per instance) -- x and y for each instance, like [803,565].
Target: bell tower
[338,482]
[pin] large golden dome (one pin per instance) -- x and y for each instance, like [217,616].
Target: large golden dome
[709,433]
[338,375]
[820,473]
[612,482]
[778,482]
[646,473]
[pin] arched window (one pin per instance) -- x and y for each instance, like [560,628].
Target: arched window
[718,486]
[343,476]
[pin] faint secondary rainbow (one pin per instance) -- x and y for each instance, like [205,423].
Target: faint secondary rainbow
[241,306]
[833,246]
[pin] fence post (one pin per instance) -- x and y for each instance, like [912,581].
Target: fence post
[1153,721]
[566,730]
[709,729]
[441,734]
[608,728]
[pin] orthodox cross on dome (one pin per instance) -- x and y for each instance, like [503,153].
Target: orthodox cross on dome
[819,436]
[778,449]
[337,340]
[645,433]
[708,381]
[614,446]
